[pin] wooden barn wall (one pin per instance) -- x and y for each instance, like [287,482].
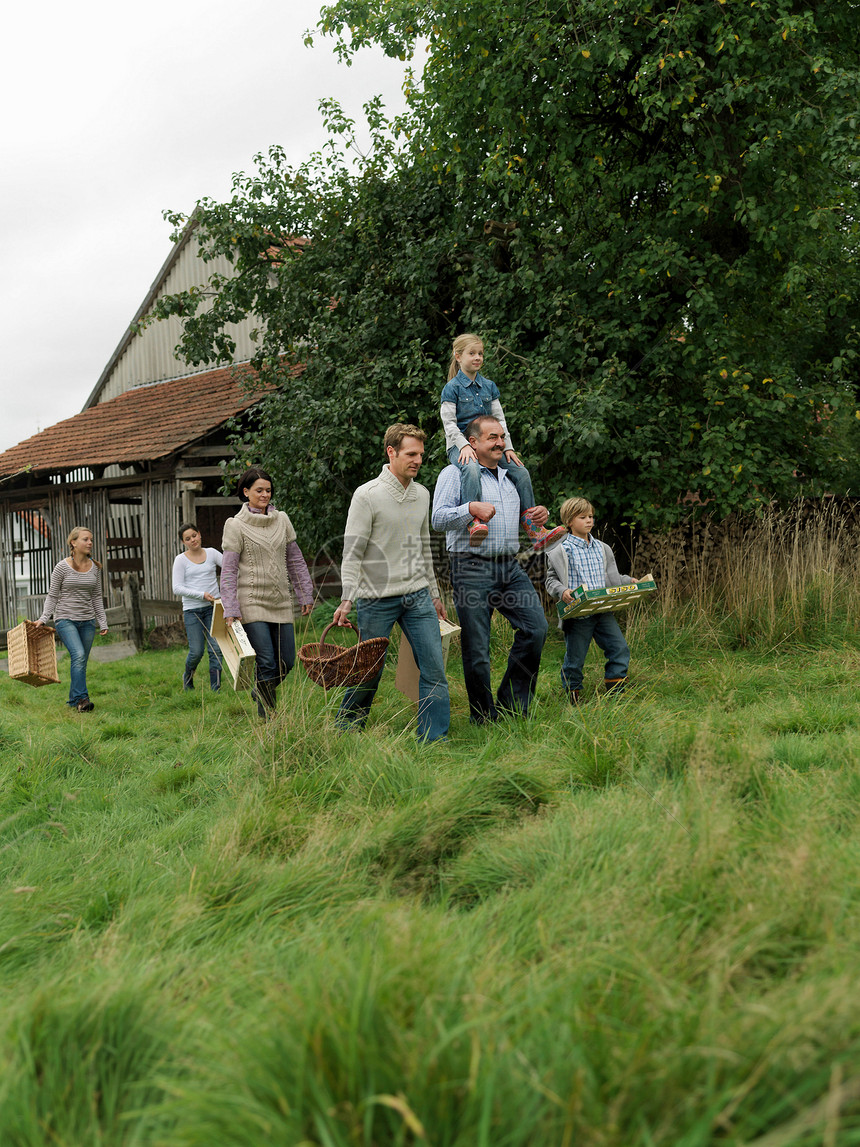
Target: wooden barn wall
[150,355]
[145,510]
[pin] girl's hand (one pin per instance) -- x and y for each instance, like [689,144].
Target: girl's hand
[467,454]
[229,620]
[307,608]
[511,457]
[103,632]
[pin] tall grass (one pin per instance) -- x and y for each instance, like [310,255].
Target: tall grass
[630,924]
[787,577]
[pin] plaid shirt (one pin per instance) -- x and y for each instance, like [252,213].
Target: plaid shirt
[451,515]
[584,563]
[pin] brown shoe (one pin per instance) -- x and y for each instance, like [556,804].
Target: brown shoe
[85,705]
[615,685]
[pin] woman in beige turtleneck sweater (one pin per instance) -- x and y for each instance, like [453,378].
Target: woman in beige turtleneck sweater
[262,565]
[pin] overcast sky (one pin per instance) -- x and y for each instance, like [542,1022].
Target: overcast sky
[113,113]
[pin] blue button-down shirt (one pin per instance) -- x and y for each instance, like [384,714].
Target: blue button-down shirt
[585,564]
[452,515]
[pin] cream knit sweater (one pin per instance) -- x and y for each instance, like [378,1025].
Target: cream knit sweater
[261,540]
[386,543]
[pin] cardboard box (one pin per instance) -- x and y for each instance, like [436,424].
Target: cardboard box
[610,599]
[407,671]
[237,652]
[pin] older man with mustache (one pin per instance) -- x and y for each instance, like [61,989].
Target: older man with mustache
[488,578]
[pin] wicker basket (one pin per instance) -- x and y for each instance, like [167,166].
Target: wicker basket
[337,665]
[32,654]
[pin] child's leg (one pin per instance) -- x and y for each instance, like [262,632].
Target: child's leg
[542,537]
[522,481]
[608,635]
[470,477]
[577,637]
[470,491]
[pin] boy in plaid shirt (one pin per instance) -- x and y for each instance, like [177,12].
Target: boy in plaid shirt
[584,560]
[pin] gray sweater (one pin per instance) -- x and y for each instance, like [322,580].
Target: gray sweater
[386,542]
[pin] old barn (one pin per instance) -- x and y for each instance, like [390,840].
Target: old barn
[145,453]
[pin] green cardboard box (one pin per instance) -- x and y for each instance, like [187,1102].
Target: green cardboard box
[609,599]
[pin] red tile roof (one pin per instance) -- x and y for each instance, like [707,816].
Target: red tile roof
[138,426]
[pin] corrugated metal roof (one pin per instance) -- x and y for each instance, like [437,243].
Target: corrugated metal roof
[140,425]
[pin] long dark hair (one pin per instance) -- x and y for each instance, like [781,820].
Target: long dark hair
[254,474]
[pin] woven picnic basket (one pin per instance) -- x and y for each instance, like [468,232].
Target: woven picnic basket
[32,654]
[332,665]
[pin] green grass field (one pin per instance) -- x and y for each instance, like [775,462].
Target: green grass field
[630,924]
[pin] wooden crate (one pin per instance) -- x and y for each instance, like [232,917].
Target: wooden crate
[406,679]
[33,654]
[610,599]
[237,651]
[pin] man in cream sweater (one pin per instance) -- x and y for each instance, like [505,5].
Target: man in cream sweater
[387,573]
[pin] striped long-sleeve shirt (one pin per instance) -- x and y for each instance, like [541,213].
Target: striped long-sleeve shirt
[74,595]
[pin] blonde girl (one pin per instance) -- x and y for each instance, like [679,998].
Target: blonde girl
[467,395]
[75,602]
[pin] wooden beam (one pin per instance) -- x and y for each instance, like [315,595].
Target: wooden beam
[209,452]
[183,472]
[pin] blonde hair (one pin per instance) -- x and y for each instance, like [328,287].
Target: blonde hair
[73,537]
[461,343]
[572,508]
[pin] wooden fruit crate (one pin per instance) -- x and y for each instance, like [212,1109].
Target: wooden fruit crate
[237,651]
[610,599]
[33,654]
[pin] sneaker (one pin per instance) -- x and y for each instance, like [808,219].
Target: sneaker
[477,532]
[85,705]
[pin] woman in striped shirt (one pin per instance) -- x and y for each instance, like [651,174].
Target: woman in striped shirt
[75,602]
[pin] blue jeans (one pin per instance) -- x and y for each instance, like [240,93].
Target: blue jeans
[275,646]
[416,615]
[470,480]
[77,636]
[578,632]
[480,586]
[197,623]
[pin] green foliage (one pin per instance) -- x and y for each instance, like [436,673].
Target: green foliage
[649,213]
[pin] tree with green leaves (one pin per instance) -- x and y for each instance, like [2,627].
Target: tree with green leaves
[648,212]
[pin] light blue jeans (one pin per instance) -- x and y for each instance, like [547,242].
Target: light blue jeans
[470,479]
[416,615]
[197,623]
[77,636]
